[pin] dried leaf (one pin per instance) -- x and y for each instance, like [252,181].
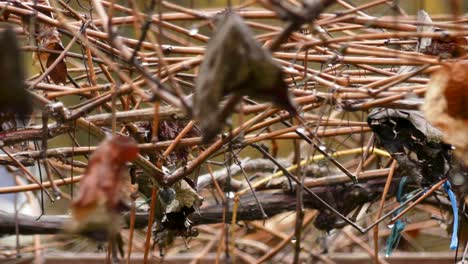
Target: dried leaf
[177,203]
[6,15]
[49,38]
[413,142]
[446,103]
[448,47]
[14,98]
[185,196]
[59,72]
[235,63]
[424,42]
[101,185]
[452,47]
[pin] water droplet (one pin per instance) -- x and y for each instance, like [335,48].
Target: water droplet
[166,170]
[323,147]
[390,226]
[167,48]
[58,197]
[231,195]
[193,31]
[458,179]
[291,69]
[294,240]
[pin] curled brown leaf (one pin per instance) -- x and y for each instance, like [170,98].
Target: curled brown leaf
[49,38]
[235,64]
[102,182]
[446,105]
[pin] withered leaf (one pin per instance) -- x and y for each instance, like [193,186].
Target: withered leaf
[59,72]
[185,196]
[177,203]
[413,142]
[14,99]
[235,63]
[452,47]
[6,15]
[102,183]
[424,42]
[49,38]
[448,47]
[446,105]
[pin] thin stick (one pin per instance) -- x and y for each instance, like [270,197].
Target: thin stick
[176,140]
[380,210]
[149,230]
[131,228]
[364,156]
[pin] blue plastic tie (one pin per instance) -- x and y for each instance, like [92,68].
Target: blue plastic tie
[453,202]
[401,186]
[395,235]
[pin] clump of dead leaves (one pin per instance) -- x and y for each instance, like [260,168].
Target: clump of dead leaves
[446,105]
